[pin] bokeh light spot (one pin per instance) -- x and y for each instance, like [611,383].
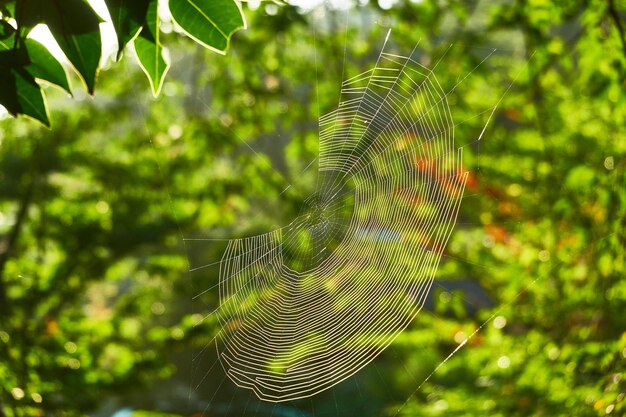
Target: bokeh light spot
[499,322]
[17,393]
[504,362]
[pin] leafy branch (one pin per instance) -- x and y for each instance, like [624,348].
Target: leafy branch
[75,26]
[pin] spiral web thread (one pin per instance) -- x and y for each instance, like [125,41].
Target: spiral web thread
[306,306]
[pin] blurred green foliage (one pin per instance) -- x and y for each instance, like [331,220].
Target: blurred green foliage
[94,297]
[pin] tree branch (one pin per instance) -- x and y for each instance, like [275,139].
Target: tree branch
[11,242]
[618,23]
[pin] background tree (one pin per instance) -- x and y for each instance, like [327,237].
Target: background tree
[95,295]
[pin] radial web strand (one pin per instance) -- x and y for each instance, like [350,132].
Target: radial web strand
[307,305]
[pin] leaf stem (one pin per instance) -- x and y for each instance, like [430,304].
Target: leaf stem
[19,4]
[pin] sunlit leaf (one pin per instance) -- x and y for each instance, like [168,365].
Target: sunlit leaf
[45,66]
[76,28]
[7,36]
[7,7]
[150,52]
[128,16]
[208,22]
[20,94]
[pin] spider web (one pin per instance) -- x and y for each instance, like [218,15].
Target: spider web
[307,305]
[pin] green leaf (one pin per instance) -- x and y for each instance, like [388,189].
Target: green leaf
[150,52]
[128,17]
[76,27]
[7,36]
[43,65]
[7,8]
[20,94]
[209,22]
[152,19]
[30,13]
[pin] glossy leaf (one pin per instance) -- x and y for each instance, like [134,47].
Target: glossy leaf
[128,17]
[150,52]
[76,28]
[43,65]
[208,22]
[7,7]
[20,94]
[30,13]
[7,36]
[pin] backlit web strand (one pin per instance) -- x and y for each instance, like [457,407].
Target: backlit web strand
[308,305]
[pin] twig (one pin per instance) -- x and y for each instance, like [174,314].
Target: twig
[13,236]
[618,23]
